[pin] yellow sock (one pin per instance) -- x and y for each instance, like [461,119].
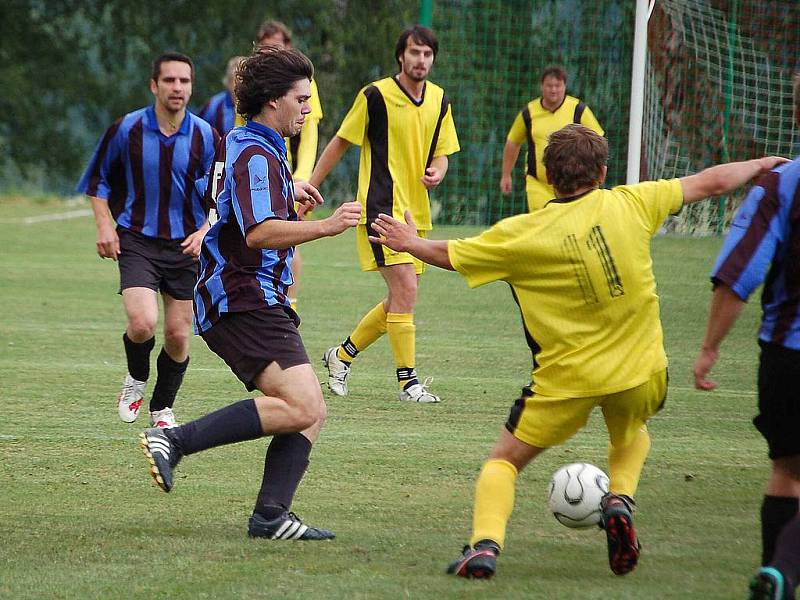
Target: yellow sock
[494,501]
[625,464]
[403,338]
[371,327]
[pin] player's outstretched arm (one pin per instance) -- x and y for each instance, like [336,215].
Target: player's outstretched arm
[276,234]
[330,157]
[725,309]
[402,237]
[725,178]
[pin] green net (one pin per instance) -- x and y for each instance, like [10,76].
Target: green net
[717,88]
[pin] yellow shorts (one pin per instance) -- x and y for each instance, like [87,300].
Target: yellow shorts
[546,421]
[371,256]
[537,193]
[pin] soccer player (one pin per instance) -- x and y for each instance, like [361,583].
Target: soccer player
[302,147]
[763,246]
[220,110]
[241,307]
[142,176]
[404,125]
[542,116]
[580,271]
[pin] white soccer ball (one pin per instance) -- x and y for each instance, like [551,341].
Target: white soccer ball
[575,493]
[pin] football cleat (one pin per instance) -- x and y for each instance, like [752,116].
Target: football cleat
[419,393]
[623,545]
[768,584]
[338,371]
[287,526]
[163,418]
[130,397]
[479,562]
[162,453]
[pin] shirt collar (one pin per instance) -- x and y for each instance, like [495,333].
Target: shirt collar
[152,121]
[273,137]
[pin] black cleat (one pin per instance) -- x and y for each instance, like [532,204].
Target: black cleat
[479,562]
[768,584]
[162,453]
[623,545]
[287,526]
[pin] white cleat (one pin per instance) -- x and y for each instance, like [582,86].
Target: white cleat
[419,393]
[338,371]
[163,419]
[130,397]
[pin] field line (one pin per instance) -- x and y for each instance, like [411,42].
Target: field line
[60,216]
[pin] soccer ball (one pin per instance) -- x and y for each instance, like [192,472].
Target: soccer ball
[575,493]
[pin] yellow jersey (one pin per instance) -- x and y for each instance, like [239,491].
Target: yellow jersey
[581,272]
[533,125]
[399,137]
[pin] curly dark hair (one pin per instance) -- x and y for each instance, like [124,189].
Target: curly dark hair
[574,158]
[267,75]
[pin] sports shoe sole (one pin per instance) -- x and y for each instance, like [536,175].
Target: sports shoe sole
[480,565]
[154,471]
[623,546]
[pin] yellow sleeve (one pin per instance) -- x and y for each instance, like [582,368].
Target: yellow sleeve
[483,258]
[354,125]
[589,120]
[306,150]
[517,133]
[448,139]
[654,200]
[316,103]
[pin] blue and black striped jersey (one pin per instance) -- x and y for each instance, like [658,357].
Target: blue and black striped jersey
[148,177]
[219,112]
[763,246]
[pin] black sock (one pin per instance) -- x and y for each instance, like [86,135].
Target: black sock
[138,355]
[236,422]
[787,553]
[284,467]
[776,512]
[170,377]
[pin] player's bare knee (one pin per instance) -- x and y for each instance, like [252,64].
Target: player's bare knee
[141,328]
[176,339]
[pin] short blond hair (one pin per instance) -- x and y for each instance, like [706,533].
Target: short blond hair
[230,69]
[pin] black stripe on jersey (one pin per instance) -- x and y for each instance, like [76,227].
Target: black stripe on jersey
[164,189]
[597,242]
[435,140]
[526,118]
[579,108]
[117,182]
[788,311]
[294,146]
[196,153]
[573,253]
[532,343]
[136,158]
[380,193]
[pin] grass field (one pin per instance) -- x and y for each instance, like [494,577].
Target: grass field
[79,517]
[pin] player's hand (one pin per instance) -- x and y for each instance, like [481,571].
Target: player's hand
[344,217]
[432,177]
[394,234]
[702,367]
[768,163]
[307,195]
[505,184]
[191,245]
[107,242]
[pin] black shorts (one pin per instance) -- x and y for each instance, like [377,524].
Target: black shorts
[249,341]
[156,264]
[778,417]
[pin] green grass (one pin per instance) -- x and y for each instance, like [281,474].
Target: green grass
[79,517]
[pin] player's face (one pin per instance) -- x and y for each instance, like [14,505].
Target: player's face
[273,40]
[174,86]
[292,108]
[416,60]
[553,90]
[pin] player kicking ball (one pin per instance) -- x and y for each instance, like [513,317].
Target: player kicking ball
[581,272]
